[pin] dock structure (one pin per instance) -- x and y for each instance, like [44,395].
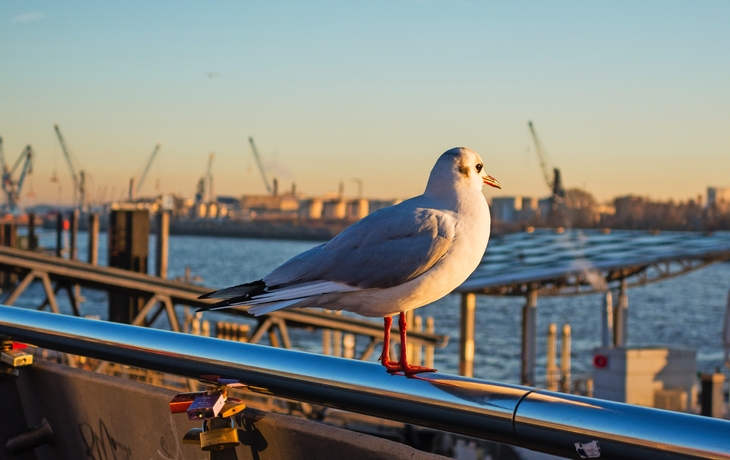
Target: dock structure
[578,262]
[560,424]
[529,264]
[162,296]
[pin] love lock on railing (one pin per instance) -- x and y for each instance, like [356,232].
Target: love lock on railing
[216,410]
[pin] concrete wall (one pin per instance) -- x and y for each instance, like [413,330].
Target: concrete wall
[94,416]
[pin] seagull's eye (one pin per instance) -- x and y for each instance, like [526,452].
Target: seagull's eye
[479,167]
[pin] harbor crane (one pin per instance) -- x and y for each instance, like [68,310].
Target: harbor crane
[261,167]
[204,190]
[11,187]
[79,180]
[554,183]
[146,169]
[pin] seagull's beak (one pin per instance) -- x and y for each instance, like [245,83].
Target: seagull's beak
[489,180]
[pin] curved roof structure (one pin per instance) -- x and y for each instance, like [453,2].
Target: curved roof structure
[589,261]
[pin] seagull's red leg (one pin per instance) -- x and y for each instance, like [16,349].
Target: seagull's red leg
[403,363]
[385,355]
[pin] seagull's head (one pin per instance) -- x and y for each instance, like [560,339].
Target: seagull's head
[460,167]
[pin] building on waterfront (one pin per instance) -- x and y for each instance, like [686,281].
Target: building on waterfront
[504,209]
[628,208]
[719,199]
[517,209]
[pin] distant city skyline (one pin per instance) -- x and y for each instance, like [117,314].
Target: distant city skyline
[627,97]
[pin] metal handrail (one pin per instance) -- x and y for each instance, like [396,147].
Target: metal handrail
[550,422]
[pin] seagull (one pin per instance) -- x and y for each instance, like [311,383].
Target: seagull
[394,260]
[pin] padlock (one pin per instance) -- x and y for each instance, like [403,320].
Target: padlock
[218,434]
[16,358]
[182,401]
[206,406]
[232,407]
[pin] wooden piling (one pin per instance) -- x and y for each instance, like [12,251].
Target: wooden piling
[93,239]
[621,318]
[565,360]
[163,234]
[59,234]
[529,338]
[466,343]
[32,241]
[74,230]
[552,372]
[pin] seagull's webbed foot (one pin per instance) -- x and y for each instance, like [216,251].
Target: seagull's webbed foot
[409,369]
[401,365]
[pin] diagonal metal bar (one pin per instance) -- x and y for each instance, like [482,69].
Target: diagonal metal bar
[283,333]
[21,287]
[171,316]
[368,352]
[261,330]
[72,298]
[139,320]
[50,292]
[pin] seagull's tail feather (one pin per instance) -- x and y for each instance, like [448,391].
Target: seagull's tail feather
[261,299]
[264,308]
[255,309]
[241,291]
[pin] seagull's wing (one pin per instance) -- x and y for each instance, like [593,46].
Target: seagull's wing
[385,249]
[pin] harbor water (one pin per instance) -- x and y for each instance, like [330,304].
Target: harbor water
[683,312]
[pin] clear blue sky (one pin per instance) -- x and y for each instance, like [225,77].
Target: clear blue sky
[627,97]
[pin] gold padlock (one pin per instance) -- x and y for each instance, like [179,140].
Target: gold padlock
[232,407]
[218,437]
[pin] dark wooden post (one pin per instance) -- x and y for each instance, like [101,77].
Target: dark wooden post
[74,230]
[163,233]
[32,242]
[59,234]
[93,239]
[129,233]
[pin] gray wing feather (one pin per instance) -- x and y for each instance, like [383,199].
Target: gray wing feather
[385,249]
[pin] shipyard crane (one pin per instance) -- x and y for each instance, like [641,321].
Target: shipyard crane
[79,180]
[147,168]
[11,187]
[261,166]
[555,184]
[205,184]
